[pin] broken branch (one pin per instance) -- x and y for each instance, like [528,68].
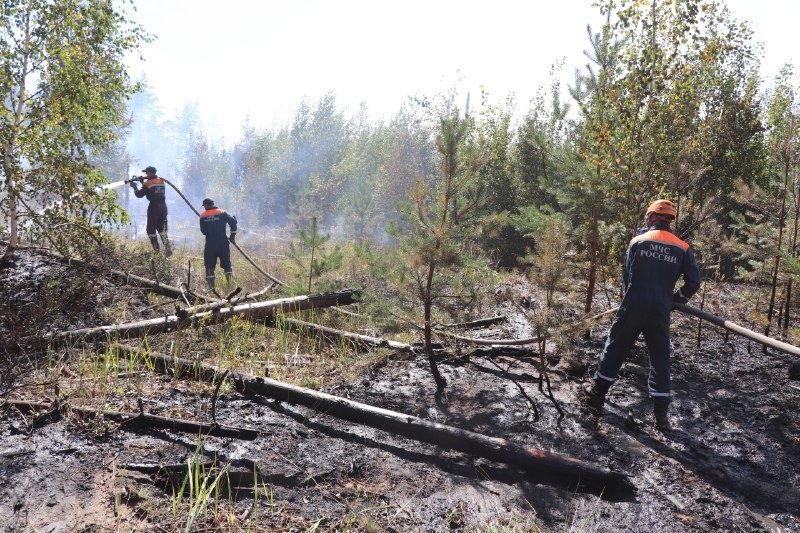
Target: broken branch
[128,420]
[358,340]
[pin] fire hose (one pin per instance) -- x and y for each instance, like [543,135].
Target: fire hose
[739,330]
[196,212]
[683,308]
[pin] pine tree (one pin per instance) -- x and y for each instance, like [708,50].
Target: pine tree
[440,225]
[312,257]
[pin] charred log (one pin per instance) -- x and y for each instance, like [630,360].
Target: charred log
[258,310]
[532,460]
[137,420]
[333,335]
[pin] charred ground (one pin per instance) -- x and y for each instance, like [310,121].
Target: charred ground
[732,464]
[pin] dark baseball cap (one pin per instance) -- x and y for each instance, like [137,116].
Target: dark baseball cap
[208,201]
[150,169]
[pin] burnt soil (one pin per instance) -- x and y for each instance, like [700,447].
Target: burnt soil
[732,462]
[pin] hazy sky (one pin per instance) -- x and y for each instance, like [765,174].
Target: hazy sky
[258,58]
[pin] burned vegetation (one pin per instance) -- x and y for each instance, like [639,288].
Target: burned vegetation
[268,411]
[406,333]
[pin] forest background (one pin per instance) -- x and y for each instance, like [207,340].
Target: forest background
[670,104]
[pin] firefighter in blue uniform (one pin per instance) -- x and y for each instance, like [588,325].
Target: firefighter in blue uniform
[154,188]
[212,225]
[655,260]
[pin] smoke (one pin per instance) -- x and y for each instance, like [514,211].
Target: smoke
[348,171]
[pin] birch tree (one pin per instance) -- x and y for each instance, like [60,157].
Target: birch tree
[64,90]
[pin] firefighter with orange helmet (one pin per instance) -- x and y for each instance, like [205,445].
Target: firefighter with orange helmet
[654,262]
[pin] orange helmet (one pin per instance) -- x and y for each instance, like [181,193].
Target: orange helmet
[662,207]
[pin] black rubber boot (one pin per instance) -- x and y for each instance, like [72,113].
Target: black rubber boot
[794,371]
[154,243]
[593,397]
[167,246]
[662,418]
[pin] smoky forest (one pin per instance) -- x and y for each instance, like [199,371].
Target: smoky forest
[474,313]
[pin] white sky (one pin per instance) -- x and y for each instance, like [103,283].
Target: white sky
[258,58]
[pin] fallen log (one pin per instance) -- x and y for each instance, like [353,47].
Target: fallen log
[158,287]
[533,460]
[128,420]
[476,323]
[356,339]
[257,310]
[527,340]
[739,330]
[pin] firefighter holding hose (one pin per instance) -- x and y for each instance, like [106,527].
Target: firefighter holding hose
[654,262]
[154,189]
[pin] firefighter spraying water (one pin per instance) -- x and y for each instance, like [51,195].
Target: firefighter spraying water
[154,189]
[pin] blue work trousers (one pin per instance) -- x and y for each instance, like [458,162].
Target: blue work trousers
[217,251]
[635,317]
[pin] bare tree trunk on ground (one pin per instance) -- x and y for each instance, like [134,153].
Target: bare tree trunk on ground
[533,460]
[259,310]
[129,420]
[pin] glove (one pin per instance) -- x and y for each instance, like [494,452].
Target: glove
[232,238]
[678,298]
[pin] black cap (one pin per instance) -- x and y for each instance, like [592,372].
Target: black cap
[208,201]
[150,169]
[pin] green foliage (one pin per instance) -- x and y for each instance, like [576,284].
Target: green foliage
[493,137]
[437,255]
[549,261]
[668,105]
[65,86]
[312,257]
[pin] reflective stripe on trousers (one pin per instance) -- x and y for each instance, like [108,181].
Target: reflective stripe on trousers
[633,318]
